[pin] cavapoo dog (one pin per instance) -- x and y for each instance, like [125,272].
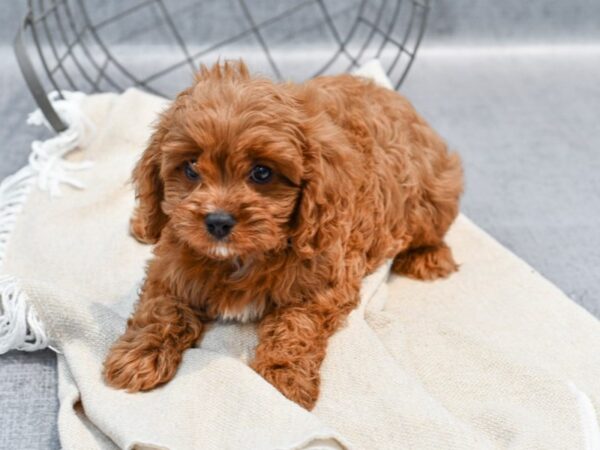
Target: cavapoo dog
[270,202]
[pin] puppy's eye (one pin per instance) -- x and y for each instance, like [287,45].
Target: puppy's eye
[261,174]
[190,171]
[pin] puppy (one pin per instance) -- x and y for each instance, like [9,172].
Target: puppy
[270,202]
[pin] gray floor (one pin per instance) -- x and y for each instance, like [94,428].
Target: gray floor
[509,85]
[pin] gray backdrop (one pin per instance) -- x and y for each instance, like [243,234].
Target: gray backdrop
[512,85]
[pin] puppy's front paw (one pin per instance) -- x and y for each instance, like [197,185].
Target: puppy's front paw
[135,364]
[297,384]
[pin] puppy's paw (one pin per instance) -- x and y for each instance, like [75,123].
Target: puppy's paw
[136,364]
[291,381]
[425,263]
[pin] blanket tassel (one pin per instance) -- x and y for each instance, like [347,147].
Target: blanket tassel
[20,327]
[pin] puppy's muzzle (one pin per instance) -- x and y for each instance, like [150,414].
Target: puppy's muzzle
[219,224]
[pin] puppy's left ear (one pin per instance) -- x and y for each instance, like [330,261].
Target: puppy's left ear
[319,220]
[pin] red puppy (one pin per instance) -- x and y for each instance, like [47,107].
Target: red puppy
[270,202]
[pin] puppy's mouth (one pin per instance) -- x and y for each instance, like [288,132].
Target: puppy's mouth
[220,250]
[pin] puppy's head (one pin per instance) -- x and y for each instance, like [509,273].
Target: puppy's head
[232,170]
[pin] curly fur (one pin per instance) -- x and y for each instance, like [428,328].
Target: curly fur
[359,178]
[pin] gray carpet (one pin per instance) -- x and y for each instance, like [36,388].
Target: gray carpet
[28,401]
[512,85]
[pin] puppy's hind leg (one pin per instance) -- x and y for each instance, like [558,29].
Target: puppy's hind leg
[425,262]
[432,210]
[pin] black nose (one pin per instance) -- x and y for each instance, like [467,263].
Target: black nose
[219,224]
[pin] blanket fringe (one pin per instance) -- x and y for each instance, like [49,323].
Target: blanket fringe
[20,327]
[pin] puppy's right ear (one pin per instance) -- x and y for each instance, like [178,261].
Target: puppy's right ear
[148,219]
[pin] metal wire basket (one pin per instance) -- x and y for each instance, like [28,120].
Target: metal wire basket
[110,45]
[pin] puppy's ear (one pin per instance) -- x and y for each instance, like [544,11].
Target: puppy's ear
[148,219]
[319,215]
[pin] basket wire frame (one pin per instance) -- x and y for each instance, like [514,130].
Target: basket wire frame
[72,51]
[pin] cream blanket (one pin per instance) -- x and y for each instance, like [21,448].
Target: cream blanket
[493,357]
